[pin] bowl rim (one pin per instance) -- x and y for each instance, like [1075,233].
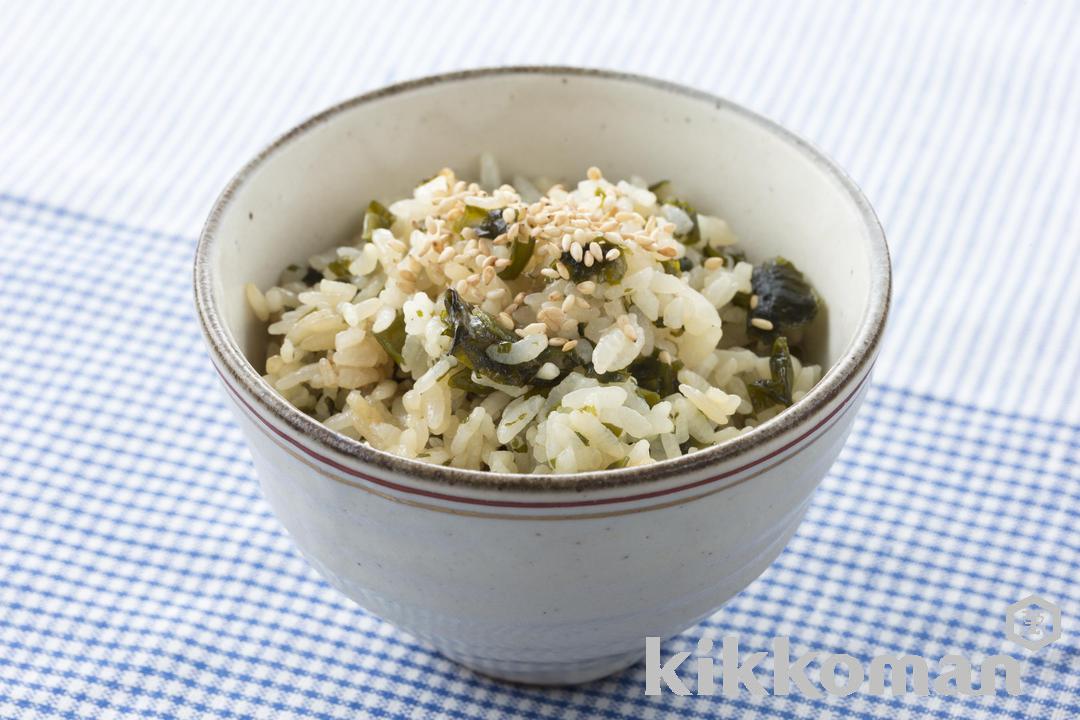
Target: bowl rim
[856,358]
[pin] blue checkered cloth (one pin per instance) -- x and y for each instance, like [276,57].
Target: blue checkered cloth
[142,574]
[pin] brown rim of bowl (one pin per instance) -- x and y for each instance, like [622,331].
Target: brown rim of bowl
[855,358]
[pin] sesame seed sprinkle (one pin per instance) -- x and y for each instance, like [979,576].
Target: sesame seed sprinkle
[761,324]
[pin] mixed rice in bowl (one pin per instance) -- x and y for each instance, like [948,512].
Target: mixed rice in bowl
[528,328]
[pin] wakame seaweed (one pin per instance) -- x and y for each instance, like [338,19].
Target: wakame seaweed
[462,380]
[488,223]
[677,267]
[340,267]
[376,216]
[392,338]
[520,254]
[655,375]
[784,299]
[474,330]
[776,390]
[609,271]
[664,192]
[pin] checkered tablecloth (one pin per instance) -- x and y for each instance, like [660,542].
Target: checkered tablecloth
[142,574]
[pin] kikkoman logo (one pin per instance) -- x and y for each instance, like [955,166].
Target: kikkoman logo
[1032,622]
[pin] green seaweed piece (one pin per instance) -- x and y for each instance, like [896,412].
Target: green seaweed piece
[784,298]
[340,268]
[663,190]
[392,338]
[665,195]
[462,380]
[488,223]
[776,390]
[474,331]
[741,300]
[677,266]
[693,237]
[654,375]
[649,396]
[376,216]
[520,254]
[730,257]
[608,271]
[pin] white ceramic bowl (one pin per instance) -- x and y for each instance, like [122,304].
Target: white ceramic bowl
[550,579]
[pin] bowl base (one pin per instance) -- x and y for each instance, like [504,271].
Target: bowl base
[549,673]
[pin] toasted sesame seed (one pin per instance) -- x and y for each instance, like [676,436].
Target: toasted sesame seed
[665,357]
[594,173]
[555,296]
[556,341]
[612,254]
[502,262]
[489,274]
[566,241]
[549,273]
[587,287]
[563,272]
[667,251]
[575,252]
[714,263]
[569,346]
[505,320]
[509,215]
[596,250]
[761,323]
[568,304]
[754,300]
[590,259]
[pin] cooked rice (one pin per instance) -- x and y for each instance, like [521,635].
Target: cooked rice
[588,341]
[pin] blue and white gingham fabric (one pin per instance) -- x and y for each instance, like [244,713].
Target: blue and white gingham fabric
[141,573]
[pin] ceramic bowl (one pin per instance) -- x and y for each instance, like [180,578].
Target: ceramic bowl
[543,579]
